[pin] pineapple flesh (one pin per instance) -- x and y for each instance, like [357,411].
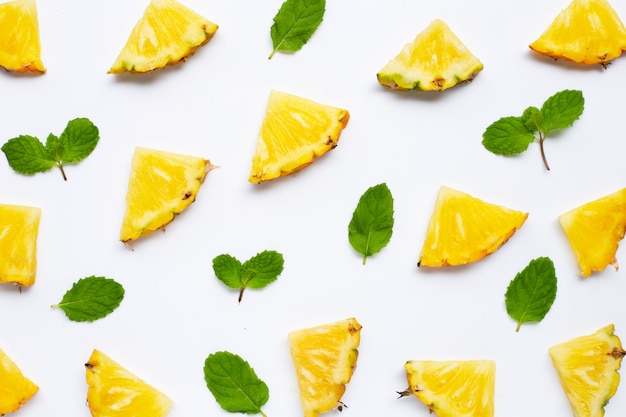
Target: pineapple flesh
[294,132]
[161,185]
[20,46]
[588,370]
[113,391]
[465,229]
[167,34]
[453,388]
[15,388]
[435,61]
[586,32]
[594,231]
[325,358]
[19,228]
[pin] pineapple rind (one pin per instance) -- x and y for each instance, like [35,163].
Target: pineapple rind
[435,61]
[588,370]
[586,32]
[15,389]
[323,371]
[279,150]
[594,231]
[20,46]
[19,228]
[149,47]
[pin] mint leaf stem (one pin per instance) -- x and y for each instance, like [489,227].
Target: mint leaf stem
[543,153]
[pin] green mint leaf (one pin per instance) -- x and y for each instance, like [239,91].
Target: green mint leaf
[295,23]
[562,109]
[27,155]
[257,272]
[234,384]
[507,136]
[54,147]
[533,119]
[532,292]
[371,226]
[79,139]
[91,298]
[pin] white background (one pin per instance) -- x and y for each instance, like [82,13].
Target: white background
[176,312]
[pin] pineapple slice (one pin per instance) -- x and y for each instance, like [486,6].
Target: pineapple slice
[294,132]
[586,32]
[20,47]
[113,391]
[453,388]
[19,227]
[324,357]
[434,61]
[15,388]
[594,231]
[167,33]
[161,185]
[587,367]
[465,229]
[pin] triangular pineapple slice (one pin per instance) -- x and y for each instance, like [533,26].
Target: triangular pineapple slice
[587,32]
[161,185]
[15,388]
[167,34]
[465,229]
[434,61]
[20,47]
[454,388]
[113,391]
[19,229]
[587,368]
[594,231]
[324,357]
[294,132]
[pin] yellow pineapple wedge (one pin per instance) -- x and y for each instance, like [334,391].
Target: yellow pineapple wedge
[294,132]
[161,185]
[19,228]
[20,46]
[435,61]
[465,229]
[324,357]
[113,391]
[455,388]
[594,231]
[586,32]
[167,34]
[588,370]
[15,388]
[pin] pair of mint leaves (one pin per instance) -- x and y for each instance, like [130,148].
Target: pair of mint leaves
[28,155]
[512,135]
[295,23]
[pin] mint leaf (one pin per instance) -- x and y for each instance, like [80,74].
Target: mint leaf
[532,292]
[507,136]
[234,384]
[257,272]
[295,23]
[512,135]
[371,226]
[91,298]
[562,109]
[27,155]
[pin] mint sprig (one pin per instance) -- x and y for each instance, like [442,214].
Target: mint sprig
[532,292]
[295,23]
[257,272]
[28,155]
[234,384]
[371,226]
[512,135]
[91,298]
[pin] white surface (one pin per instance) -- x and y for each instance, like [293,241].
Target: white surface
[176,312]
